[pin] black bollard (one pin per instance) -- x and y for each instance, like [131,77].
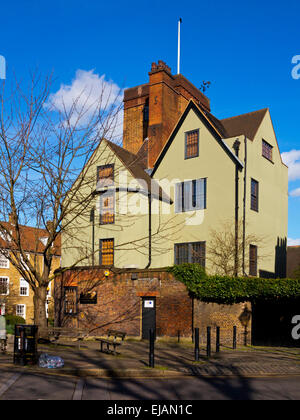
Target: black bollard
[208,342]
[196,339]
[178,336]
[151,348]
[218,340]
[234,337]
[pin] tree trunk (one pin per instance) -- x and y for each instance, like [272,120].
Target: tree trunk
[40,318]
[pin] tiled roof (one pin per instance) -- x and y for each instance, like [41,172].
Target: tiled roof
[246,124]
[31,239]
[136,168]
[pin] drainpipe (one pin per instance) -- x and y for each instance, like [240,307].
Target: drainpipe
[92,220]
[236,147]
[244,205]
[149,230]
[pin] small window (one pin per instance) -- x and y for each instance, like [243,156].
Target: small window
[193,252]
[192,144]
[105,176]
[267,150]
[70,300]
[24,288]
[106,256]
[107,208]
[21,311]
[254,195]
[253,260]
[4,286]
[190,195]
[4,261]
[88,298]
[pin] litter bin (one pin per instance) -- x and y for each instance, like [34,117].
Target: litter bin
[25,345]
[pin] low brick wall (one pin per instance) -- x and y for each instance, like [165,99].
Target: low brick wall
[119,302]
[225,317]
[119,305]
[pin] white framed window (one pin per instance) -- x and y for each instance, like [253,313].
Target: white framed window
[4,261]
[191,195]
[2,308]
[24,288]
[21,311]
[4,285]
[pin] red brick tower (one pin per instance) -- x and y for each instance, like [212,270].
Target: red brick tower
[152,110]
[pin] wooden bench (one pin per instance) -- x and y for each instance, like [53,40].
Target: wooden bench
[73,334]
[112,342]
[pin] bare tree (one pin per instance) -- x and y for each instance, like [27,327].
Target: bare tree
[221,249]
[44,151]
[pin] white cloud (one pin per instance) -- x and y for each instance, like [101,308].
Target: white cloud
[295,193]
[292,160]
[293,242]
[87,93]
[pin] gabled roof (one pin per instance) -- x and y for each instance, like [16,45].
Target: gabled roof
[214,125]
[246,124]
[134,165]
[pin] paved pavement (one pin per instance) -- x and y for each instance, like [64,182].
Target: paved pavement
[37,386]
[245,373]
[171,360]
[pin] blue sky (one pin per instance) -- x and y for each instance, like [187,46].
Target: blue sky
[244,48]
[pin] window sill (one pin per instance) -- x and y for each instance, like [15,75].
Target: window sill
[269,160]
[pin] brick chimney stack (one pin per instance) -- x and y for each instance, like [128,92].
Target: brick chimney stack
[152,110]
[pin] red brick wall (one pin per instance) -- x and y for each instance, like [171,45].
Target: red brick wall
[225,317]
[168,96]
[119,305]
[119,302]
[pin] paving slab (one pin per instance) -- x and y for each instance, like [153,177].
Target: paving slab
[171,360]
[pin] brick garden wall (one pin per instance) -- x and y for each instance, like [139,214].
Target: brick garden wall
[119,302]
[119,305]
[225,317]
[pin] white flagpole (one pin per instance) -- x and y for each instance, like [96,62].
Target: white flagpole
[178,59]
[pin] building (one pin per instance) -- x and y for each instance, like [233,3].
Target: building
[16,296]
[180,173]
[293,260]
[200,171]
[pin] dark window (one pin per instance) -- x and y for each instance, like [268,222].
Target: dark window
[267,150]
[4,290]
[70,300]
[192,144]
[146,111]
[190,195]
[107,208]
[254,195]
[105,176]
[193,252]
[88,298]
[106,252]
[253,260]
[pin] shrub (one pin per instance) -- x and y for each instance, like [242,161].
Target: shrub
[11,321]
[230,290]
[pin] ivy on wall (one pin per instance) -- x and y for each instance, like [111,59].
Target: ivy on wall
[230,290]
